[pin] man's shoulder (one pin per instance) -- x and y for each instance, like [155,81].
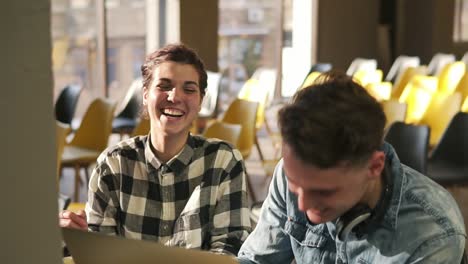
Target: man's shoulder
[427,209]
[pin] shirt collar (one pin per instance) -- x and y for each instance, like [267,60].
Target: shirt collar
[176,164]
[398,178]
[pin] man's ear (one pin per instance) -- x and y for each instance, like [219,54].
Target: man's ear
[376,164]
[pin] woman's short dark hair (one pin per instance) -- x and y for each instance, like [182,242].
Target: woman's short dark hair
[333,120]
[177,53]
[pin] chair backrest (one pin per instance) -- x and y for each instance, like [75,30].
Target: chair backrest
[438,61]
[401,81]
[65,105]
[361,64]
[224,131]
[440,111]
[132,100]
[417,95]
[96,126]
[253,91]
[61,132]
[410,143]
[394,111]
[210,100]
[400,64]
[381,91]
[365,77]
[450,76]
[244,113]
[464,107]
[142,128]
[266,78]
[321,67]
[453,146]
[462,86]
[310,79]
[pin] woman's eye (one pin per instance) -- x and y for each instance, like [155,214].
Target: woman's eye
[164,87]
[190,90]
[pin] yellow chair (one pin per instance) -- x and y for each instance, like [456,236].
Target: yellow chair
[61,132]
[252,91]
[90,139]
[224,131]
[462,86]
[381,91]
[244,113]
[365,77]
[394,111]
[450,76]
[464,107]
[440,111]
[405,78]
[142,128]
[310,79]
[418,95]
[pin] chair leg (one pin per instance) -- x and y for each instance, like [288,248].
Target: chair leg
[87,174]
[260,153]
[77,182]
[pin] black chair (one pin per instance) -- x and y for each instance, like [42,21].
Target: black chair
[411,144]
[65,105]
[448,164]
[127,119]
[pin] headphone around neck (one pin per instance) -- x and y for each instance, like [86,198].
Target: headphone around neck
[361,215]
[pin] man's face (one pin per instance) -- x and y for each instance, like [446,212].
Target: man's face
[326,194]
[173,98]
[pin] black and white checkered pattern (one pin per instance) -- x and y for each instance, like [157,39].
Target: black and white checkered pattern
[196,200]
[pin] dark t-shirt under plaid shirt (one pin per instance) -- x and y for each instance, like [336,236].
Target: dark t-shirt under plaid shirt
[196,200]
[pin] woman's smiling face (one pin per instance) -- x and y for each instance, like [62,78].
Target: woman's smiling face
[173,98]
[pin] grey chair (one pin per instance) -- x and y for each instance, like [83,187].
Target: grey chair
[400,64]
[438,61]
[411,144]
[361,64]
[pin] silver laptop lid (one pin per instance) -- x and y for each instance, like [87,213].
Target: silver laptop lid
[90,248]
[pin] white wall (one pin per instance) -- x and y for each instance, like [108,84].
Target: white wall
[29,225]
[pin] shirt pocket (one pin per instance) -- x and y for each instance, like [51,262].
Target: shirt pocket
[308,242]
[188,231]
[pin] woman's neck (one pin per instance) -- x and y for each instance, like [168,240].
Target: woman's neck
[166,147]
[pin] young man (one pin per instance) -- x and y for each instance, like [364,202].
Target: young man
[170,186]
[340,195]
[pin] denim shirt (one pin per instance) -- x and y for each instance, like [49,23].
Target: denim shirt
[422,224]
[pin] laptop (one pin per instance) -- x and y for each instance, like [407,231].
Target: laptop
[90,248]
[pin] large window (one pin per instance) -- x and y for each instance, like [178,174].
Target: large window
[460,25]
[86,34]
[249,38]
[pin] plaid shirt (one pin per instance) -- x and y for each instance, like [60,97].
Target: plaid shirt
[196,200]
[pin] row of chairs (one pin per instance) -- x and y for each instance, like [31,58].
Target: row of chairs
[447,163]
